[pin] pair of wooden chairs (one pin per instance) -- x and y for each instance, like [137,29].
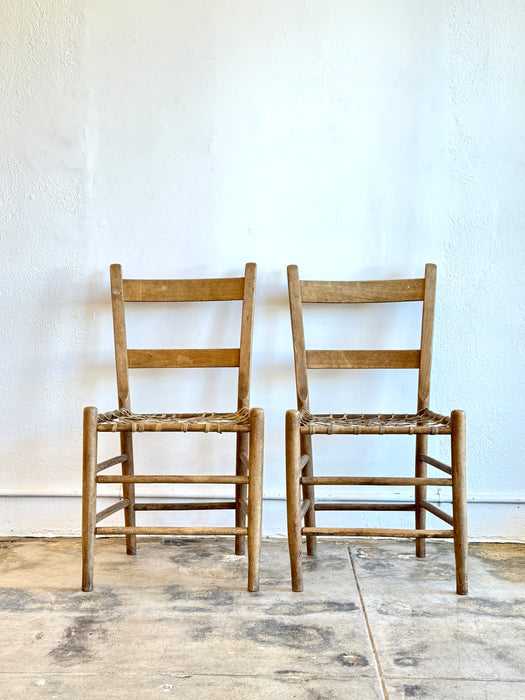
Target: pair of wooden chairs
[301,425]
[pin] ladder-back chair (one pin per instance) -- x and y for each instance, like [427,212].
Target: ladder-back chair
[245,422]
[301,425]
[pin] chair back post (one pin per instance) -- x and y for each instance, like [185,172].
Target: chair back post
[119,332]
[245,350]
[427,334]
[296,315]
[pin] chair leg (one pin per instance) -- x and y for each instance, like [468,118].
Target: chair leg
[421,494]
[459,499]
[128,490]
[293,496]
[241,490]
[255,493]
[309,493]
[89,496]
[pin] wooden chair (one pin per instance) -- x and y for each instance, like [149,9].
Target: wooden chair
[301,425]
[245,422]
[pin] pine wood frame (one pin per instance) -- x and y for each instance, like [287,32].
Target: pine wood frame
[300,479]
[250,432]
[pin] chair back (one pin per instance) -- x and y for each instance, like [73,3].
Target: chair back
[381,291]
[183,290]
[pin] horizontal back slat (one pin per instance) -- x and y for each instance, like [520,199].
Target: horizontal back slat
[223,357]
[362,292]
[227,289]
[362,359]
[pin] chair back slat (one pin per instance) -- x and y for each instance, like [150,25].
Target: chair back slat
[223,357]
[327,292]
[227,289]
[362,359]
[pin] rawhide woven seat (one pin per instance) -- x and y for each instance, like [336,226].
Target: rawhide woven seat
[247,423]
[123,420]
[362,424]
[302,426]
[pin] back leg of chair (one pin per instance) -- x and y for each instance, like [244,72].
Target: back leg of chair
[293,496]
[89,496]
[128,490]
[459,499]
[421,494]
[255,494]
[241,490]
[309,494]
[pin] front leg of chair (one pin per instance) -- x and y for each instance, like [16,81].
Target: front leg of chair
[421,494]
[128,490]
[89,495]
[459,499]
[293,496]
[241,490]
[255,494]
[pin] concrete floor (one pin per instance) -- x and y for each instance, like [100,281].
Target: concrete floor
[373,622]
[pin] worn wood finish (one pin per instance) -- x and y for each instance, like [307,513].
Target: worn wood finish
[362,359]
[305,505]
[365,506]
[201,505]
[328,292]
[437,512]
[299,351]
[146,530]
[227,289]
[293,497]
[378,532]
[89,497]
[299,459]
[101,515]
[242,462]
[459,499]
[307,469]
[427,335]
[222,357]
[128,490]
[374,481]
[172,479]
[420,494]
[111,462]
[247,479]
[119,334]
[435,463]
[255,494]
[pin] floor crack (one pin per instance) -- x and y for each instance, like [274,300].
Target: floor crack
[369,629]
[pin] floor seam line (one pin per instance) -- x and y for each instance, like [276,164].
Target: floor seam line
[368,628]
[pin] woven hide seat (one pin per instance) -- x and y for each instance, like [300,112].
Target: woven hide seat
[423,422]
[123,420]
[302,426]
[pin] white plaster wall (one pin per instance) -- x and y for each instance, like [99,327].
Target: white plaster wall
[357,139]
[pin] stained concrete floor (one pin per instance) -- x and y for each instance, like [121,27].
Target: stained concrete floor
[373,622]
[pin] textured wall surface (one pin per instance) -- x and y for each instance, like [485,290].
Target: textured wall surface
[357,139]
